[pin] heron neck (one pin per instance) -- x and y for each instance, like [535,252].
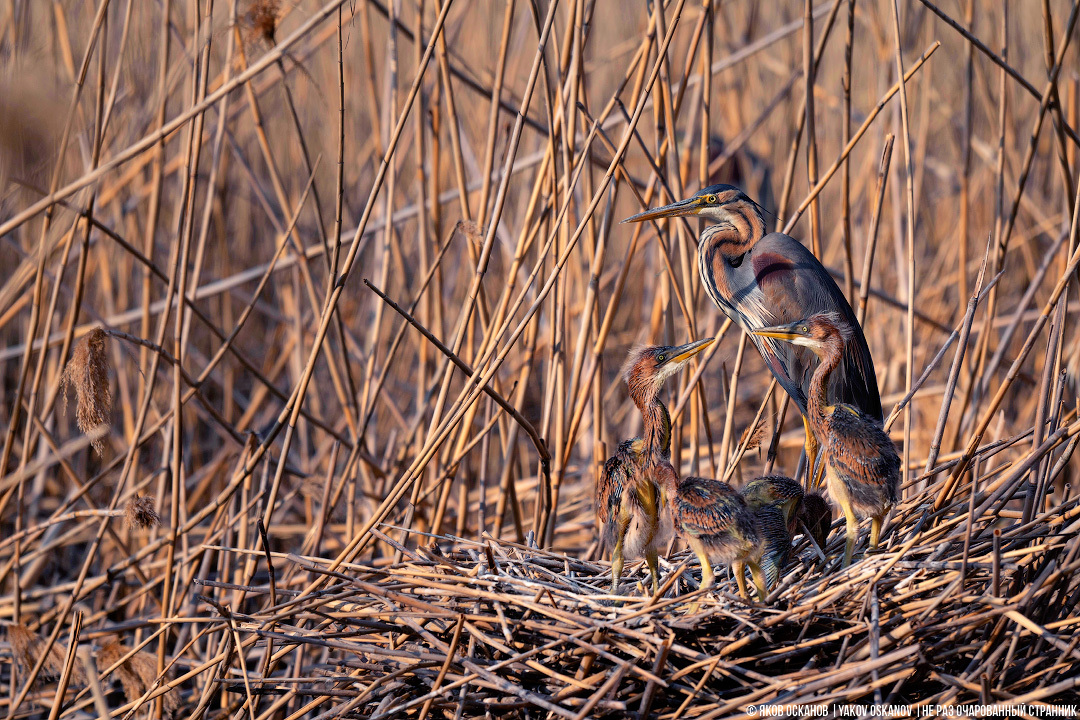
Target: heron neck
[657,428]
[817,402]
[736,232]
[730,240]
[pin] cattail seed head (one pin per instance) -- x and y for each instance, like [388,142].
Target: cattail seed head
[753,435]
[262,18]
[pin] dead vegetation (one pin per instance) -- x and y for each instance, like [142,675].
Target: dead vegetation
[352,276]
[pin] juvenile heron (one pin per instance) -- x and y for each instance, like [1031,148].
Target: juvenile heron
[808,508]
[760,280]
[777,543]
[628,502]
[781,505]
[863,467]
[776,491]
[719,527]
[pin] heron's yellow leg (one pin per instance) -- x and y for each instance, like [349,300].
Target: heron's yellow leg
[838,491]
[759,580]
[707,576]
[654,568]
[852,530]
[617,555]
[739,568]
[875,531]
[819,476]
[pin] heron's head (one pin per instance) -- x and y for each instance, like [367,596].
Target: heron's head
[774,491]
[817,332]
[649,366]
[725,205]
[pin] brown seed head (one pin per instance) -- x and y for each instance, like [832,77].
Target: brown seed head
[753,435]
[27,646]
[262,17]
[137,673]
[88,374]
[140,513]
[472,231]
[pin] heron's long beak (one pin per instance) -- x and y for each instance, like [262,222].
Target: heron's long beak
[781,332]
[691,206]
[684,352]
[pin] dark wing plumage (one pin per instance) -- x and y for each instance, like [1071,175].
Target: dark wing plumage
[817,515]
[862,454]
[777,542]
[708,509]
[795,286]
[616,478]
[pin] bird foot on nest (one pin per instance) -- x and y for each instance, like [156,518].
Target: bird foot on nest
[693,608]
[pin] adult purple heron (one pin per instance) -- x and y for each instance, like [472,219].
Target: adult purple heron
[628,502]
[760,280]
[862,465]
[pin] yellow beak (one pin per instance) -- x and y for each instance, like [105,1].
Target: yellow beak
[691,206]
[780,332]
[689,350]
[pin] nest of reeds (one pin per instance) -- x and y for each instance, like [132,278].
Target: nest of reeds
[950,609]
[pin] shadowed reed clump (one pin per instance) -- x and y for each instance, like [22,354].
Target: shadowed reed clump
[88,374]
[136,673]
[140,513]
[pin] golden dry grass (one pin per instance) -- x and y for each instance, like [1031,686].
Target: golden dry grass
[302,442]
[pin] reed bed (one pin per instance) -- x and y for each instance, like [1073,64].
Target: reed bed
[337,296]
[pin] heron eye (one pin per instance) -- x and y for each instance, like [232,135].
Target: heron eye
[736,261]
[661,358]
[710,199]
[804,329]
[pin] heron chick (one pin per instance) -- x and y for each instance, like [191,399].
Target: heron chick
[628,500]
[863,467]
[776,500]
[719,527]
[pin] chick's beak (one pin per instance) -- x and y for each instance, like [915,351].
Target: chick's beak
[684,352]
[692,206]
[781,332]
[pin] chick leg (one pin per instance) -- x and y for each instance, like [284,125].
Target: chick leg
[759,579]
[739,568]
[840,494]
[654,568]
[617,555]
[707,576]
[852,530]
[875,531]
